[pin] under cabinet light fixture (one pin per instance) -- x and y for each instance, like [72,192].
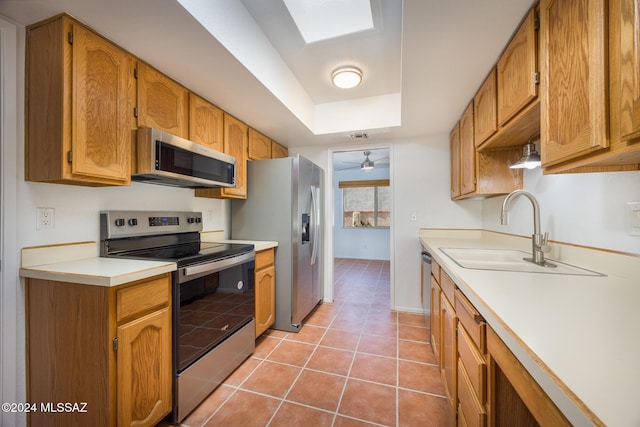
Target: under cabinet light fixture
[346,77]
[530,157]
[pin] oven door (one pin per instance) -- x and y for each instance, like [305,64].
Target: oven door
[211,302]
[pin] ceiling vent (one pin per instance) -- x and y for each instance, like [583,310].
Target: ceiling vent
[358,136]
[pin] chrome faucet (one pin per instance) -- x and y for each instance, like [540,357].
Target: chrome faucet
[539,243]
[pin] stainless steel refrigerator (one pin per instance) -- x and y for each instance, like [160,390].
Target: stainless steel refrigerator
[284,204]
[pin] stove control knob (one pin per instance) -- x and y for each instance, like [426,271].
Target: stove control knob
[119,222]
[198,220]
[132,222]
[191,220]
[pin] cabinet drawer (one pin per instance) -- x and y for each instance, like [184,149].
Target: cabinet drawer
[447,285]
[473,412]
[473,362]
[264,258]
[435,270]
[142,297]
[472,320]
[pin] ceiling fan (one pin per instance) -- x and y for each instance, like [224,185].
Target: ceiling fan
[367,164]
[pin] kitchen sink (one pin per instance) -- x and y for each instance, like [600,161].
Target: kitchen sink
[510,260]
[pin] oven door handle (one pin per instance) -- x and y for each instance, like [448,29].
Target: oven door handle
[199,270]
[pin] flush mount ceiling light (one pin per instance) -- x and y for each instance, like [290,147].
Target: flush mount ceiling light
[530,157]
[346,77]
[367,165]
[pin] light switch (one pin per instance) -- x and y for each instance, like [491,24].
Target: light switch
[632,218]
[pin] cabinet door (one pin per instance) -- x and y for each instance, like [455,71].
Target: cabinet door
[449,350]
[265,299]
[259,145]
[206,123]
[454,139]
[436,325]
[236,141]
[484,103]
[278,151]
[573,79]
[629,15]
[144,369]
[517,70]
[467,153]
[102,110]
[162,103]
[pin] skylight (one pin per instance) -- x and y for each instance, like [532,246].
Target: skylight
[325,19]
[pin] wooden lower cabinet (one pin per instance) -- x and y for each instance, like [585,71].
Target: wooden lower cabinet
[449,351]
[106,349]
[265,290]
[515,398]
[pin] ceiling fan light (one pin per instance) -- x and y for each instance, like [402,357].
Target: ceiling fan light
[346,77]
[367,165]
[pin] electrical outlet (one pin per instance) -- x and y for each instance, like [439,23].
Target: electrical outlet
[632,218]
[45,218]
[414,216]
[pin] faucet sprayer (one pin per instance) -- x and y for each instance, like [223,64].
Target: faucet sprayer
[539,243]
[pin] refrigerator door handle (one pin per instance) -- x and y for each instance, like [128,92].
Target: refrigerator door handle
[315,222]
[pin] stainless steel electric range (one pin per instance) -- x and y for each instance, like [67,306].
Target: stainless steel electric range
[213,302]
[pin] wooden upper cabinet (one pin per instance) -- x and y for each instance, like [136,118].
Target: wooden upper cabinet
[206,123]
[278,151]
[454,140]
[162,103]
[259,145]
[80,95]
[574,102]
[625,15]
[517,68]
[467,153]
[484,103]
[236,144]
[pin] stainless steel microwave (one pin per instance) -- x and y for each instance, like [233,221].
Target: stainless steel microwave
[166,159]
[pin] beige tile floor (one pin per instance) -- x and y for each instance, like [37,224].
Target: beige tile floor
[354,363]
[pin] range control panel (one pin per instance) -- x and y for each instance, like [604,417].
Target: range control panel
[119,224]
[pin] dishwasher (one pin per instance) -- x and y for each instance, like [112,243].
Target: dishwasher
[426,284]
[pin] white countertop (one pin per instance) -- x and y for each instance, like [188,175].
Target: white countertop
[578,336]
[79,263]
[218,237]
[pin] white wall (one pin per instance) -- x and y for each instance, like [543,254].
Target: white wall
[362,242]
[585,209]
[419,183]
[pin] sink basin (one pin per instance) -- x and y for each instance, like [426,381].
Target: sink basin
[509,260]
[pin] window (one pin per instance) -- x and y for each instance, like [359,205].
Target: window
[366,203]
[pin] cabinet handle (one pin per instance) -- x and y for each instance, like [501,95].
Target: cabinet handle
[115,344]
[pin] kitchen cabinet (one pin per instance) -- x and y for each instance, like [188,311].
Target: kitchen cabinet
[448,341]
[435,322]
[236,144]
[259,145]
[514,397]
[80,96]
[509,101]
[472,367]
[162,103]
[516,71]
[265,289]
[454,141]
[480,173]
[278,151]
[206,123]
[625,69]
[588,52]
[484,104]
[108,347]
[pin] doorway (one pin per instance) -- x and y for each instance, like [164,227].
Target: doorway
[361,199]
